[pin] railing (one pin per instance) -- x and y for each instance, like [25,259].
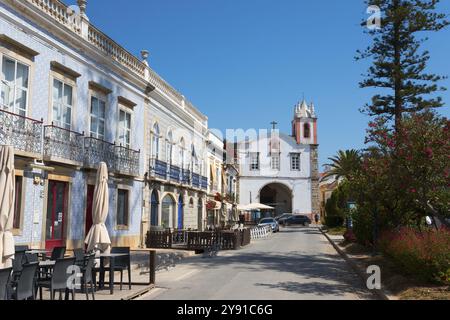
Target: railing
[261,232]
[158,168]
[115,51]
[23,133]
[159,239]
[58,11]
[204,183]
[174,173]
[186,176]
[62,143]
[196,180]
[96,151]
[197,240]
[126,161]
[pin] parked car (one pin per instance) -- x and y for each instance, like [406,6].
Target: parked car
[270,222]
[296,220]
[283,216]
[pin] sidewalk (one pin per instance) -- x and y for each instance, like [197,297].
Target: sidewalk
[357,266]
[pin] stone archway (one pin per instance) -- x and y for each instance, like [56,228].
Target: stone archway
[277,195]
[168,211]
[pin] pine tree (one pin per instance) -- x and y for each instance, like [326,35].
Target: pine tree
[399,64]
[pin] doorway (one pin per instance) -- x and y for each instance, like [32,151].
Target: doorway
[56,214]
[89,204]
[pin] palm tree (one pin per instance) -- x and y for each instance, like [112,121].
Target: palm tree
[344,164]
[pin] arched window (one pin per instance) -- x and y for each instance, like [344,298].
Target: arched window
[182,153]
[155,141]
[168,211]
[307,131]
[154,208]
[169,150]
[194,160]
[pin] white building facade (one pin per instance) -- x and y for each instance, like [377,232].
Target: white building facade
[281,170]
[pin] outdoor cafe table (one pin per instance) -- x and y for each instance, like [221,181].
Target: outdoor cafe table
[111,257]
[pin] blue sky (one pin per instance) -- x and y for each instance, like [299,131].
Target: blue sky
[246,63]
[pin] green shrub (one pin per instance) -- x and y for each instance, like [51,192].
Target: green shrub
[425,255]
[334,221]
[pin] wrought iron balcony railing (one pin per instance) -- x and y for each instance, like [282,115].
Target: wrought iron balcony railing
[96,151]
[60,143]
[186,176]
[204,183]
[175,173]
[158,168]
[196,180]
[23,133]
[126,161]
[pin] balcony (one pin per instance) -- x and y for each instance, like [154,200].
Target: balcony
[186,176]
[196,180]
[158,169]
[204,183]
[22,133]
[126,161]
[96,151]
[175,173]
[63,145]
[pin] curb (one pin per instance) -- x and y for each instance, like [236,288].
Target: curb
[361,273]
[140,293]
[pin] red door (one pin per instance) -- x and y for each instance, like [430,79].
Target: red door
[89,202]
[56,214]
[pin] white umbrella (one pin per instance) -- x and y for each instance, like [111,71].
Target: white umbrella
[98,238]
[7,185]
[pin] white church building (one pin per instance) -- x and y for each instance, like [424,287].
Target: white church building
[281,170]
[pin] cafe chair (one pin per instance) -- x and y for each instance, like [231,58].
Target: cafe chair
[89,276]
[23,288]
[5,277]
[58,279]
[122,264]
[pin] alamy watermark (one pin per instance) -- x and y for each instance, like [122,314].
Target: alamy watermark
[374,280]
[374,20]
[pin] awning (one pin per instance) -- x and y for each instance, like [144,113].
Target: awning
[254,206]
[218,205]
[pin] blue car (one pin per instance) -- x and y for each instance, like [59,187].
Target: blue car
[270,222]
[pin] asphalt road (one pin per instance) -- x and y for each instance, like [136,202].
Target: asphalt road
[295,264]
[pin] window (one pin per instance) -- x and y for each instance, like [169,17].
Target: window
[62,104]
[295,161]
[275,162]
[122,207]
[307,131]
[98,107]
[155,141]
[254,161]
[18,203]
[124,128]
[182,153]
[169,151]
[14,86]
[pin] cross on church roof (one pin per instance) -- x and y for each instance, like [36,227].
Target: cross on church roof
[274,124]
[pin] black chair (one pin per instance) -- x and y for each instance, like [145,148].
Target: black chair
[31,258]
[19,259]
[58,253]
[79,257]
[24,287]
[21,248]
[89,276]
[58,280]
[5,276]
[122,263]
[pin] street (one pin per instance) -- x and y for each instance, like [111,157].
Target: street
[295,264]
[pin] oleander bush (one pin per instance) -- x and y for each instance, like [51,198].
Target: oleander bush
[423,254]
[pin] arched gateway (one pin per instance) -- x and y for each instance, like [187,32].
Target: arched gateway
[277,195]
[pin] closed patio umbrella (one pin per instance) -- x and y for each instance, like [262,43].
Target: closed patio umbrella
[7,185]
[98,238]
